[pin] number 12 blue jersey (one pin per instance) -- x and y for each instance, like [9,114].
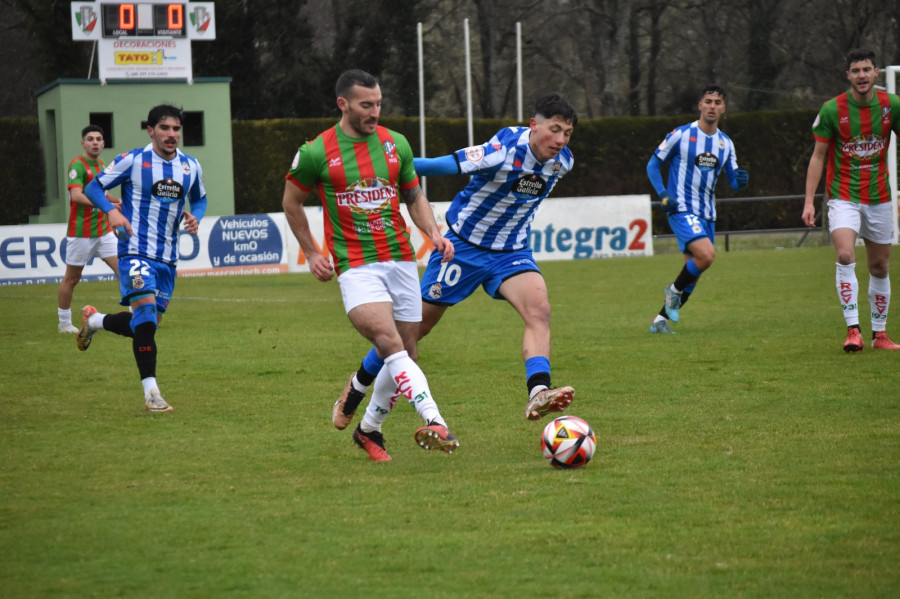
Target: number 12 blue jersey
[697,159]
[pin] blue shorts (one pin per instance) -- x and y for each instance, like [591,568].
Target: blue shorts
[689,227]
[140,277]
[448,283]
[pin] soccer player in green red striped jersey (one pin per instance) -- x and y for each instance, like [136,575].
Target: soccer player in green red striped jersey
[853,133]
[88,233]
[360,171]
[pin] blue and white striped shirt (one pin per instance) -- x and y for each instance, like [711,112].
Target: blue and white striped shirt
[154,191]
[496,208]
[697,159]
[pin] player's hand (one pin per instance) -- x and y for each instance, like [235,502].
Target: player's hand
[742,177]
[119,223]
[191,224]
[320,267]
[445,247]
[809,214]
[667,203]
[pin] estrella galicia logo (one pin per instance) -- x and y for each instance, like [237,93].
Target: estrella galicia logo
[529,186]
[707,161]
[168,190]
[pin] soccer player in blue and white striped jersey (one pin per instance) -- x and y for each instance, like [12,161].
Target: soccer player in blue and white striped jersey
[696,153]
[156,181]
[489,222]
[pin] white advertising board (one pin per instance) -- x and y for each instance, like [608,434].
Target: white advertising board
[563,229]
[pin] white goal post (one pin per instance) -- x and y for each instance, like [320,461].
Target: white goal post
[890,76]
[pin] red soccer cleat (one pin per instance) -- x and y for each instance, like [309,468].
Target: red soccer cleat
[372,443]
[854,340]
[882,341]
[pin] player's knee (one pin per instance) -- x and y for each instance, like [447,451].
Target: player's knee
[143,314]
[846,256]
[879,270]
[538,313]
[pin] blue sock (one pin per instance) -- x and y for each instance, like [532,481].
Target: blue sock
[537,372]
[692,268]
[536,365]
[372,363]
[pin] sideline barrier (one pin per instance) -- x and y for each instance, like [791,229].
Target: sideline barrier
[563,229]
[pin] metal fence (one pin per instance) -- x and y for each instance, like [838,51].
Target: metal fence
[728,233]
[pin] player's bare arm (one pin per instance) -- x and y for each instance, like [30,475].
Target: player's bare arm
[813,176]
[292,203]
[423,216]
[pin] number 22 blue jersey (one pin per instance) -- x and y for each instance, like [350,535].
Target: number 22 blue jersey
[496,208]
[154,191]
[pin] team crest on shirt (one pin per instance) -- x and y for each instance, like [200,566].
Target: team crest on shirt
[557,166]
[185,168]
[390,150]
[366,195]
[474,153]
[529,186]
[435,291]
[137,282]
[707,161]
[167,190]
[886,115]
[72,174]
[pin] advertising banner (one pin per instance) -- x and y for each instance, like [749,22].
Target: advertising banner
[563,229]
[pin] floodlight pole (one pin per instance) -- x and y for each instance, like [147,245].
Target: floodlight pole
[891,80]
[421,103]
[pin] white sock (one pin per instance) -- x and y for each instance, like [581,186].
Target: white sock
[848,292]
[879,300]
[357,385]
[537,389]
[413,386]
[149,384]
[95,321]
[65,316]
[384,396]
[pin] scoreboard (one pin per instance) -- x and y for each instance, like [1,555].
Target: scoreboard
[144,40]
[143,20]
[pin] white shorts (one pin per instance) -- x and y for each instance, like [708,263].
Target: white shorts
[79,250]
[396,282]
[870,221]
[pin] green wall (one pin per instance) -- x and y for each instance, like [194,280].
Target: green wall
[64,107]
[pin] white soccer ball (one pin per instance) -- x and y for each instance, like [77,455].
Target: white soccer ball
[568,442]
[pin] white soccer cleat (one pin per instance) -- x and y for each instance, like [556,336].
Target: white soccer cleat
[68,328]
[154,402]
[86,333]
[549,400]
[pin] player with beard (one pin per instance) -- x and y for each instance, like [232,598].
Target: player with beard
[853,133]
[156,181]
[360,171]
[489,223]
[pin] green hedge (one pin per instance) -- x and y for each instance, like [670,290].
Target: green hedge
[21,171]
[610,159]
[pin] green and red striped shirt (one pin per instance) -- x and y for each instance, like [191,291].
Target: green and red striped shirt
[359,182]
[85,221]
[858,136]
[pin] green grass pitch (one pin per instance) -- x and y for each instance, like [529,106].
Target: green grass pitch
[744,456]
